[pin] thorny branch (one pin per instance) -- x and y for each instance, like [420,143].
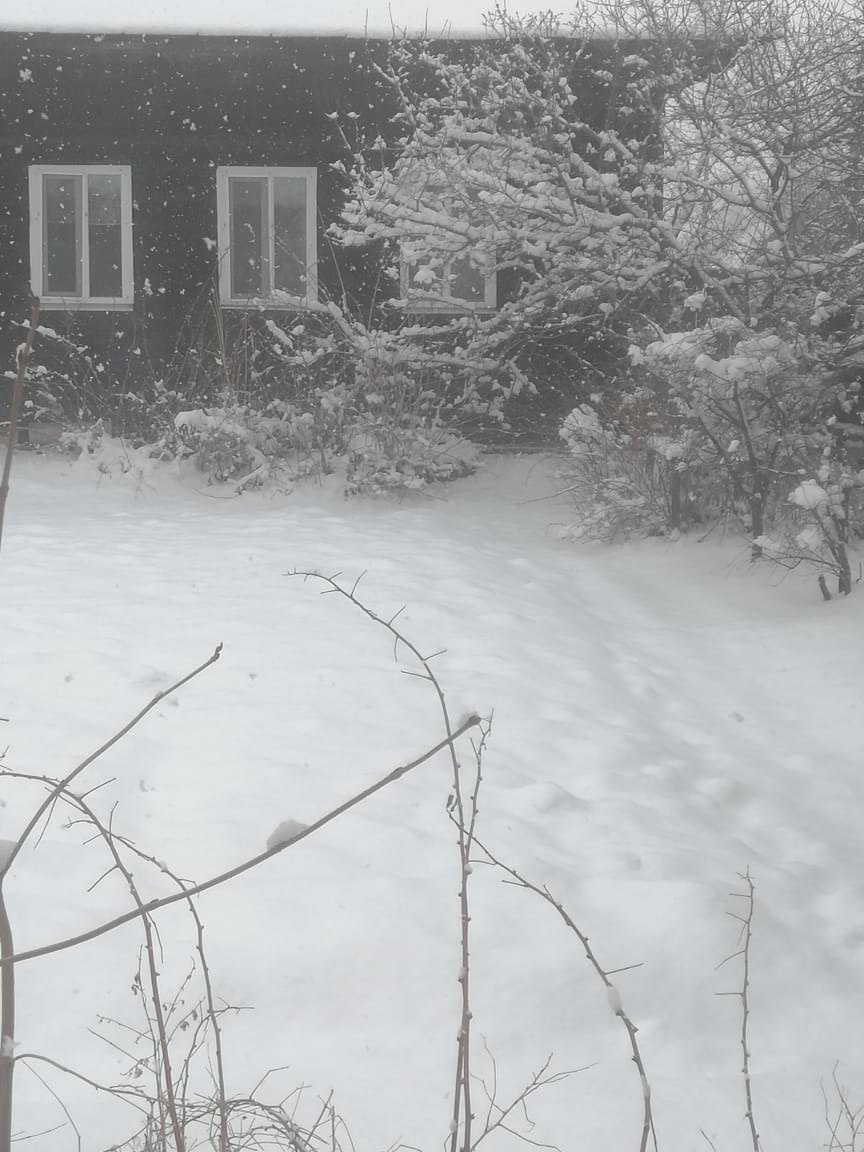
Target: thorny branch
[7,946]
[247,865]
[746,922]
[461,1114]
[848,1117]
[604,974]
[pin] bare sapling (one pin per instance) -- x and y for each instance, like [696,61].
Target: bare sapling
[844,1120]
[464,817]
[160,1031]
[164,1101]
[9,855]
[746,921]
[171,1090]
[23,358]
[246,865]
[463,809]
[614,997]
[464,814]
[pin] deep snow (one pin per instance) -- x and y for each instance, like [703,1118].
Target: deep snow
[664,717]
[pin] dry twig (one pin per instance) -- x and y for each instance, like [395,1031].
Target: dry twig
[461,1115]
[247,865]
[746,922]
[848,1119]
[8,958]
[604,974]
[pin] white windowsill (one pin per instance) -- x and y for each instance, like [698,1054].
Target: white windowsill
[280,304]
[59,304]
[436,308]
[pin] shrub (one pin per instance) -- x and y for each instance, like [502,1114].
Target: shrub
[628,468]
[386,459]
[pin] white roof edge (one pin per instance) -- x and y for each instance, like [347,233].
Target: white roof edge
[251,31]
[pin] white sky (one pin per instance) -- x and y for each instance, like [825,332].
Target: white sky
[271,16]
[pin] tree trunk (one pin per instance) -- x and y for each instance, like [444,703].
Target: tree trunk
[7,1026]
[844,577]
[757,522]
[675,500]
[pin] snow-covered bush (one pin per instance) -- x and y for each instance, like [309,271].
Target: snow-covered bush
[826,502]
[223,444]
[818,532]
[403,433]
[312,393]
[108,456]
[626,471]
[240,445]
[751,407]
[387,460]
[65,383]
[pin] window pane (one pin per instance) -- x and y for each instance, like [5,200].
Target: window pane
[289,225]
[104,234]
[466,281]
[61,235]
[247,207]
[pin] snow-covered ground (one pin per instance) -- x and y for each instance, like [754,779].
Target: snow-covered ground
[664,718]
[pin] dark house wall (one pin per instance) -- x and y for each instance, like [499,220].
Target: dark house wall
[174,108]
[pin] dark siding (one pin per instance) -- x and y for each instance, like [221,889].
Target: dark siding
[173,108]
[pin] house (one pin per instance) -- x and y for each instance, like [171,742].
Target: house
[145,176]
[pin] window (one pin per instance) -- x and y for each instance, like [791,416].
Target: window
[81,236]
[454,283]
[267,236]
[441,270]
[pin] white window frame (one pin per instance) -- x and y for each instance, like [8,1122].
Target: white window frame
[277,299]
[414,301]
[84,302]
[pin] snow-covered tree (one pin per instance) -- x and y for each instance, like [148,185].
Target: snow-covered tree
[762,155]
[601,177]
[512,202]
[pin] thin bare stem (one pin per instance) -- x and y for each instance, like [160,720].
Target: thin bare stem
[60,1102]
[744,952]
[611,991]
[247,865]
[7,943]
[133,1096]
[498,1115]
[7,948]
[461,1112]
[7,1026]
[17,396]
[63,784]
[212,1013]
[159,1028]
